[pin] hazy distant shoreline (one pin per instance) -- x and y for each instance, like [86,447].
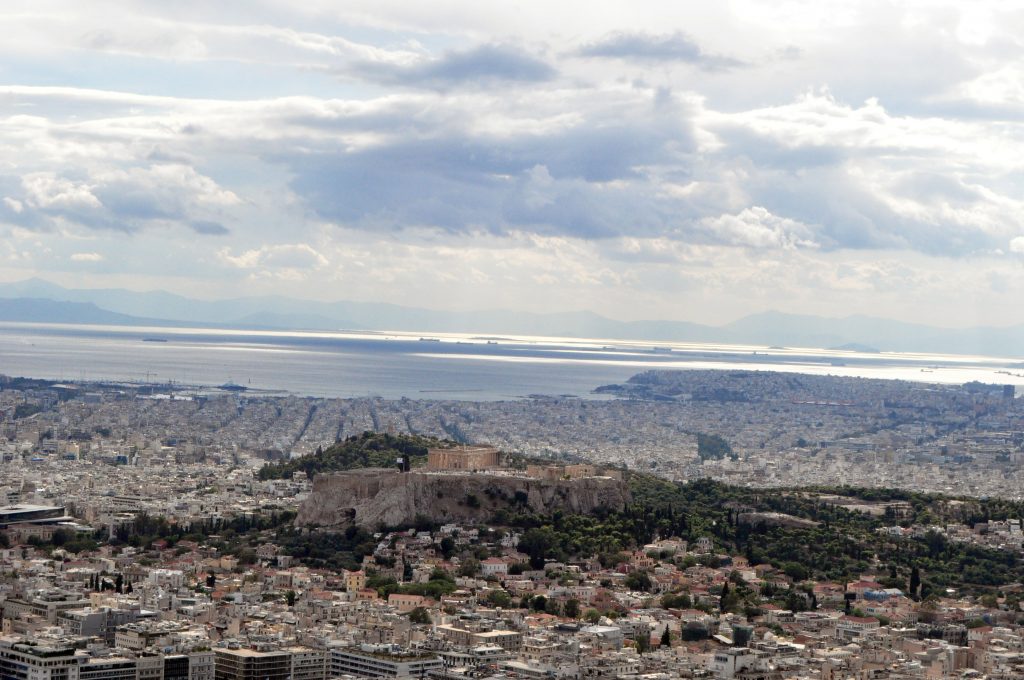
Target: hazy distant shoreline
[36,300]
[401,365]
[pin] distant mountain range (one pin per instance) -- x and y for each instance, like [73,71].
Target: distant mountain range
[37,300]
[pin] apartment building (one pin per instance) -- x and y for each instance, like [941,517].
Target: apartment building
[382,661]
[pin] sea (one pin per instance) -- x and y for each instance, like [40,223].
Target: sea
[450,366]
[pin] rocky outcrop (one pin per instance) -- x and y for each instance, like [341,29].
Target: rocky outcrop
[776,519]
[374,497]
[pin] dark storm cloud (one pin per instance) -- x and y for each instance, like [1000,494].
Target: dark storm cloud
[657,48]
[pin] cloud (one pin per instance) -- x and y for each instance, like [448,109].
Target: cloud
[48,191]
[291,256]
[122,199]
[483,65]
[822,141]
[208,228]
[647,47]
[86,257]
[870,179]
[585,175]
[756,227]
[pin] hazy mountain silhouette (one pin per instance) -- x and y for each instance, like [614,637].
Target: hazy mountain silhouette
[41,301]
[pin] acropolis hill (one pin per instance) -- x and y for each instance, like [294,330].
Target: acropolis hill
[454,489]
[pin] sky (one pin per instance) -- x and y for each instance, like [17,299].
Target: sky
[644,160]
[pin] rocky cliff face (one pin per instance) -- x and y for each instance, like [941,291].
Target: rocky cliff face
[373,497]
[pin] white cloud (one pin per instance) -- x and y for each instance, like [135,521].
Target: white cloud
[86,257]
[47,190]
[282,256]
[756,227]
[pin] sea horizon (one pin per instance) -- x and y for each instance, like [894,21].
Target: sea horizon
[402,364]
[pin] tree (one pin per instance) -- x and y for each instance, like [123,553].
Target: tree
[469,567]
[537,543]
[795,601]
[638,580]
[915,582]
[439,574]
[795,571]
[211,581]
[119,583]
[723,597]
[676,601]
[592,616]
[643,642]
[420,615]
[713,447]
[499,598]
[447,547]
[290,598]
[539,603]
[572,608]
[666,638]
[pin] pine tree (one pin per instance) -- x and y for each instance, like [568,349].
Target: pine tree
[666,638]
[915,582]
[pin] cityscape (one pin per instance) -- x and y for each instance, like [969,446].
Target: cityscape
[356,339]
[160,530]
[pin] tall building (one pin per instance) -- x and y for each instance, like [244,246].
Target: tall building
[192,666]
[291,663]
[46,604]
[250,664]
[109,668]
[21,660]
[382,661]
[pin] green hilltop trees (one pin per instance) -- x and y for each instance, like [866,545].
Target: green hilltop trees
[368,450]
